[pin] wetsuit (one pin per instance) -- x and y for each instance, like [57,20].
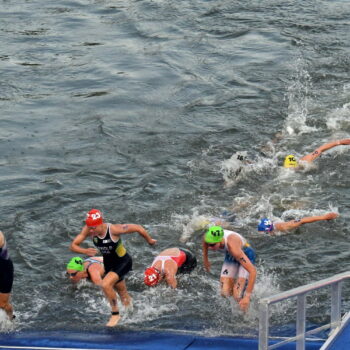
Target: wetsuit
[185,261]
[91,261]
[6,271]
[115,257]
[231,267]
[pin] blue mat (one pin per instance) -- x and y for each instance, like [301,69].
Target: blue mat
[342,341]
[131,340]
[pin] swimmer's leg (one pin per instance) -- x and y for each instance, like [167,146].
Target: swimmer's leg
[108,283]
[5,304]
[123,293]
[228,272]
[242,277]
[239,288]
[226,286]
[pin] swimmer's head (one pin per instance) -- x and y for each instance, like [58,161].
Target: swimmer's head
[94,218]
[290,162]
[265,225]
[76,264]
[214,235]
[151,276]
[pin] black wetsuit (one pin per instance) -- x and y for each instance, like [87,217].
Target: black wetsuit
[115,257]
[6,271]
[189,264]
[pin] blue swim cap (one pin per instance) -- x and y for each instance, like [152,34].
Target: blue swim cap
[265,225]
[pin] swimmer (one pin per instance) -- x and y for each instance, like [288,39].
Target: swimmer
[269,227]
[117,262]
[89,268]
[93,270]
[168,264]
[6,278]
[291,162]
[238,273]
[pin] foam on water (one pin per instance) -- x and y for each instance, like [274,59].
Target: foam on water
[5,324]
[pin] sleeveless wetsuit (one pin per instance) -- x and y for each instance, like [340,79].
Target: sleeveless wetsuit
[6,271]
[231,267]
[186,261]
[91,261]
[115,257]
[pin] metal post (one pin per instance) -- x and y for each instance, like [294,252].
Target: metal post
[264,325]
[301,312]
[336,305]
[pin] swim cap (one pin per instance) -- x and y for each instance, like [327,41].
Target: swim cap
[152,276]
[94,217]
[265,225]
[214,234]
[290,162]
[76,263]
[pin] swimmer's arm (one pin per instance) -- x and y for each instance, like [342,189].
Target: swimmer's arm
[2,239]
[171,280]
[237,252]
[206,262]
[318,151]
[328,216]
[131,228]
[75,245]
[289,225]
[239,255]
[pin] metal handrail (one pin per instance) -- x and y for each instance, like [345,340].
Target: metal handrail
[300,292]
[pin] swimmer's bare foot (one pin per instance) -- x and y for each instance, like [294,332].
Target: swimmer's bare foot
[113,321]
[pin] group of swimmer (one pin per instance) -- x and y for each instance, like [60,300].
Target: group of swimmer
[238,273]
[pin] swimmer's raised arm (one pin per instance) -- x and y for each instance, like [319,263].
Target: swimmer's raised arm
[318,151]
[289,225]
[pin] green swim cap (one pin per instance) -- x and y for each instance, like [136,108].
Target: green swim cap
[214,234]
[76,263]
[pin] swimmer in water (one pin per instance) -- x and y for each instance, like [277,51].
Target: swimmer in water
[291,162]
[168,264]
[269,227]
[90,268]
[6,278]
[238,273]
[117,262]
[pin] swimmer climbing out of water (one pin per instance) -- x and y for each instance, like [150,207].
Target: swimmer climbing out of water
[117,262]
[92,269]
[238,273]
[6,278]
[168,264]
[269,227]
[291,162]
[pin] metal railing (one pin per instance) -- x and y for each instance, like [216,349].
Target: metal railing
[335,282]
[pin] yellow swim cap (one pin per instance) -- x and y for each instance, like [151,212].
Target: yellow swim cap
[290,162]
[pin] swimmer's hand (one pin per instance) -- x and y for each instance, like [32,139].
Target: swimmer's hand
[244,303]
[152,241]
[90,251]
[330,216]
